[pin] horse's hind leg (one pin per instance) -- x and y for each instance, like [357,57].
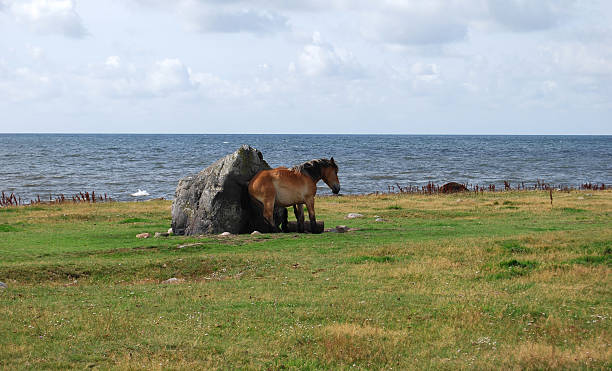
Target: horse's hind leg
[311,215]
[268,214]
[298,210]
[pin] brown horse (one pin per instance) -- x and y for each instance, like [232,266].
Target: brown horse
[295,186]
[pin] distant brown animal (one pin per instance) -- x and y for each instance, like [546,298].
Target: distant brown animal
[293,187]
[453,187]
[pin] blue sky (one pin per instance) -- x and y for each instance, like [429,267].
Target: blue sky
[313,66]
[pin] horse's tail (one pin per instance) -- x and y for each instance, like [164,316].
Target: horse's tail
[254,210]
[245,197]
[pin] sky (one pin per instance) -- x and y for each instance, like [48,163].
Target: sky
[311,66]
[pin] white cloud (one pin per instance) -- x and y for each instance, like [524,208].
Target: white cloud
[35,51]
[167,76]
[24,84]
[239,20]
[425,71]
[580,59]
[302,5]
[416,23]
[118,79]
[319,58]
[216,88]
[113,61]
[49,16]
[527,15]
[393,22]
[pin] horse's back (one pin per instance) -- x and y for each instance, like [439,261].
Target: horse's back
[288,186]
[259,182]
[264,182]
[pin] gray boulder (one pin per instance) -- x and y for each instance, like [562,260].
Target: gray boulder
[216,200]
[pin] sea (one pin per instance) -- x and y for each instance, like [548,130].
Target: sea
[119,165]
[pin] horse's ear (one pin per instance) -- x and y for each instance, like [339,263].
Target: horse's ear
[332,161]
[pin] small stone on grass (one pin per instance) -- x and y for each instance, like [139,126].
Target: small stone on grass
[172,280]
[354,215]
[143,235]
[224,234]
[341,229]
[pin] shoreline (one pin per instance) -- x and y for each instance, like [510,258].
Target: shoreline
[6,203]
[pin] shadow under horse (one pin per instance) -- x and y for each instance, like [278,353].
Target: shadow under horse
[296,186]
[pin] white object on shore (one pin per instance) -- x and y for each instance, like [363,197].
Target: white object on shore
[140,193]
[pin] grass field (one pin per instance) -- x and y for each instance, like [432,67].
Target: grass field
[489,281]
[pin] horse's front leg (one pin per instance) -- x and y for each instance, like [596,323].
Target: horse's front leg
[311,216]
[285,221]
[298,210]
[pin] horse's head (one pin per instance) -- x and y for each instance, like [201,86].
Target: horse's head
[329,174]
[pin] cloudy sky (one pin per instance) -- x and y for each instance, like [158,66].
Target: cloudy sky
[311,66]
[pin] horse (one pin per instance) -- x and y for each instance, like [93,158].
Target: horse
[295,187]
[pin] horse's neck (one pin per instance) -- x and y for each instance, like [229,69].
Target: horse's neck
[315,179]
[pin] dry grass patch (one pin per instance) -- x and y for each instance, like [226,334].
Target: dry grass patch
[539,356]
[581,275]
[348,343]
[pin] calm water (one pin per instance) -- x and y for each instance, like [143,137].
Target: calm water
[43,164]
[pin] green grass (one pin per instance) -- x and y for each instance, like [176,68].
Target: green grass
[573,210]
[8,228]
[513,264]
[394,207]
[514,247]
[594,259]
[488,281]
[375,259]
[134,220]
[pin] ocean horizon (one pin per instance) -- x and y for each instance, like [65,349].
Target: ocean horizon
[118,165]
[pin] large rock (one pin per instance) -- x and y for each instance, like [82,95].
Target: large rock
[216,200]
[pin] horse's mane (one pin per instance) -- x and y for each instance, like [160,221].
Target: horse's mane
[313,168]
